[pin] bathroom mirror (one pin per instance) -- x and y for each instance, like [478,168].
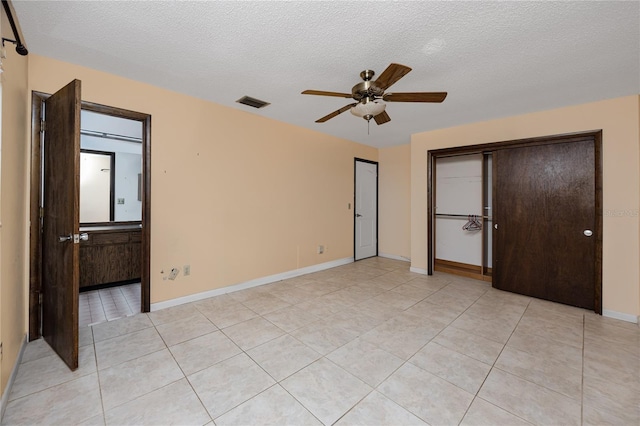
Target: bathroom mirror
[110,169]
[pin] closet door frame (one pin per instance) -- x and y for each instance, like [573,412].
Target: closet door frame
[593,135]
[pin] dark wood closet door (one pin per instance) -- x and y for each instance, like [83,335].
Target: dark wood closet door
[544,201]
[61,214]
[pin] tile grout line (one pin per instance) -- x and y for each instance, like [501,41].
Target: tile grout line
[150,353]
[185,375]
[494,366]
[278,382]
[95,354]
[431,340]
[373,388]
[407,361]
[525,315]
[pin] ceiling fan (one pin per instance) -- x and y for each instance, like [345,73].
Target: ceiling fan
[371,97]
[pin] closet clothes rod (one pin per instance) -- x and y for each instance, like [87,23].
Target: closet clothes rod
[463,216]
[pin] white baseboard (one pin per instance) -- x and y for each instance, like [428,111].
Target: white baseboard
[12,378]
[249,284]
[394,257]
[620,316]
[418,270]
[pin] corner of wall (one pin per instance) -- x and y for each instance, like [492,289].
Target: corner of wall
[6,392]
[395,201]
[14,199]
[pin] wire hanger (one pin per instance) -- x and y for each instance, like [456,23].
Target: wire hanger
[473,224]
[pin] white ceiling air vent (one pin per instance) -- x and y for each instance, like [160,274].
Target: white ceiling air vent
[252,102]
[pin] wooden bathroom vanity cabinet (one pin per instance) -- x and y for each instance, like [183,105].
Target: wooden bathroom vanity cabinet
[111,254]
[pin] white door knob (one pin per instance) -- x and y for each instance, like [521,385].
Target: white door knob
[588,232]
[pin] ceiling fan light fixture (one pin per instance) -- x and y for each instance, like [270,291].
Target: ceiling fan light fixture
[368,109]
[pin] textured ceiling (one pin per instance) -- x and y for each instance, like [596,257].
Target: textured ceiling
[495,59]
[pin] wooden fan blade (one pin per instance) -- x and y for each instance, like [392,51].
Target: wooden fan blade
[335,113]
[393,73]
[382,118]
[415,97]
[323,93]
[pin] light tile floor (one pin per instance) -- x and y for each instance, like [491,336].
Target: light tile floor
[108,304]
[367,343]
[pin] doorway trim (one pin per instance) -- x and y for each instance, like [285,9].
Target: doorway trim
[35,198]
[355,187]
[591,135]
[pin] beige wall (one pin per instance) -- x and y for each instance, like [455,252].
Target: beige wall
[394,211]
[239,197]
[618,118]
[13,206]
[234,195]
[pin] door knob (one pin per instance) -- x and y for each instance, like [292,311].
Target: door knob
[75,238]
[588,232]
[358,215]
[64,238]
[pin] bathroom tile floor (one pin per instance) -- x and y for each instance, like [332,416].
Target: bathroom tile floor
[367,343]
[108,304]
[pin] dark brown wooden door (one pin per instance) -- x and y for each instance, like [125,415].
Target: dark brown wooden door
[544,201]
[60,259]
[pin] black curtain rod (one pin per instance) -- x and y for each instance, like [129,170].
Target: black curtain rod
[20,47]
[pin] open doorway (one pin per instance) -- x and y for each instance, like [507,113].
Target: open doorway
[110,217]
[122,138]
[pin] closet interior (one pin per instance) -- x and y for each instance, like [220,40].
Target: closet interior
[463,215]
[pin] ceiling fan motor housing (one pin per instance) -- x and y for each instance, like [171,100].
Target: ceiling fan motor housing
[366,89]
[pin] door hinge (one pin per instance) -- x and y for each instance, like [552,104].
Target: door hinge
[43,126]
[41,212]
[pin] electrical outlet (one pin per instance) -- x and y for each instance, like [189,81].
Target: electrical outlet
[174,273]
[320,249]
[186,270]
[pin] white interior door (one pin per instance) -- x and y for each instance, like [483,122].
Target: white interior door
[366,210]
